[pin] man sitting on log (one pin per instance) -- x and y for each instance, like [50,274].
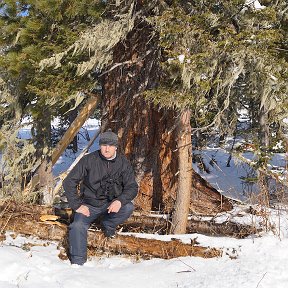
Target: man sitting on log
[107,187]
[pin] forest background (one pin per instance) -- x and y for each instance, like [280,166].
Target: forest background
[170,77]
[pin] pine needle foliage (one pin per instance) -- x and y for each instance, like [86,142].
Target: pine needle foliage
[31,31]
[216,57]
[209,46]
[96,43]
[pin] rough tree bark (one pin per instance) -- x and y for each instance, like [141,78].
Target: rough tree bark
[182,203]
[46,181]
[147,133]
[44,146]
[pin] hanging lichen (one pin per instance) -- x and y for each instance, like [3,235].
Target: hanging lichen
[98,42]
[18,155]
[207,50]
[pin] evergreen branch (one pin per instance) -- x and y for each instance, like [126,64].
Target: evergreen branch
[273,175]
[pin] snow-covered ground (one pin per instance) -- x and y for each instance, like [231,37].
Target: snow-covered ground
[233,181]
[257,261]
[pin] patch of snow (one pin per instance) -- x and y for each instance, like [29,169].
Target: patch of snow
[251,262]
[255,4]
[181,58]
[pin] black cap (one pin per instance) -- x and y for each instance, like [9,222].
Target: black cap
[108,138]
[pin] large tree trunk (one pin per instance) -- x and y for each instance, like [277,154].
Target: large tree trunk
[147,133]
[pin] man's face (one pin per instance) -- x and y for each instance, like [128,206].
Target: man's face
[108,151]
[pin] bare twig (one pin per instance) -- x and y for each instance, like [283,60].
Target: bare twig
[186,265]
[261,279]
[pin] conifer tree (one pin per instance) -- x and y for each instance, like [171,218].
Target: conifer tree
[31,31]
[191,57]
[209,47]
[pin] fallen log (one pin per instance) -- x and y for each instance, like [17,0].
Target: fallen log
[194,225]
[24,223]
[147,248]
[153,223]
[143,222]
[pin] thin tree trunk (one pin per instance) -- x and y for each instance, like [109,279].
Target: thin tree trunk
[46,182]
[263,179]
[72,116]
[263,129]
[44,146]
[182,204]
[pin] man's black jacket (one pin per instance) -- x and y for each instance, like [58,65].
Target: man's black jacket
[100,181]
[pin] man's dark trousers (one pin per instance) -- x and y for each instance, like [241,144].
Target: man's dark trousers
[78,228]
